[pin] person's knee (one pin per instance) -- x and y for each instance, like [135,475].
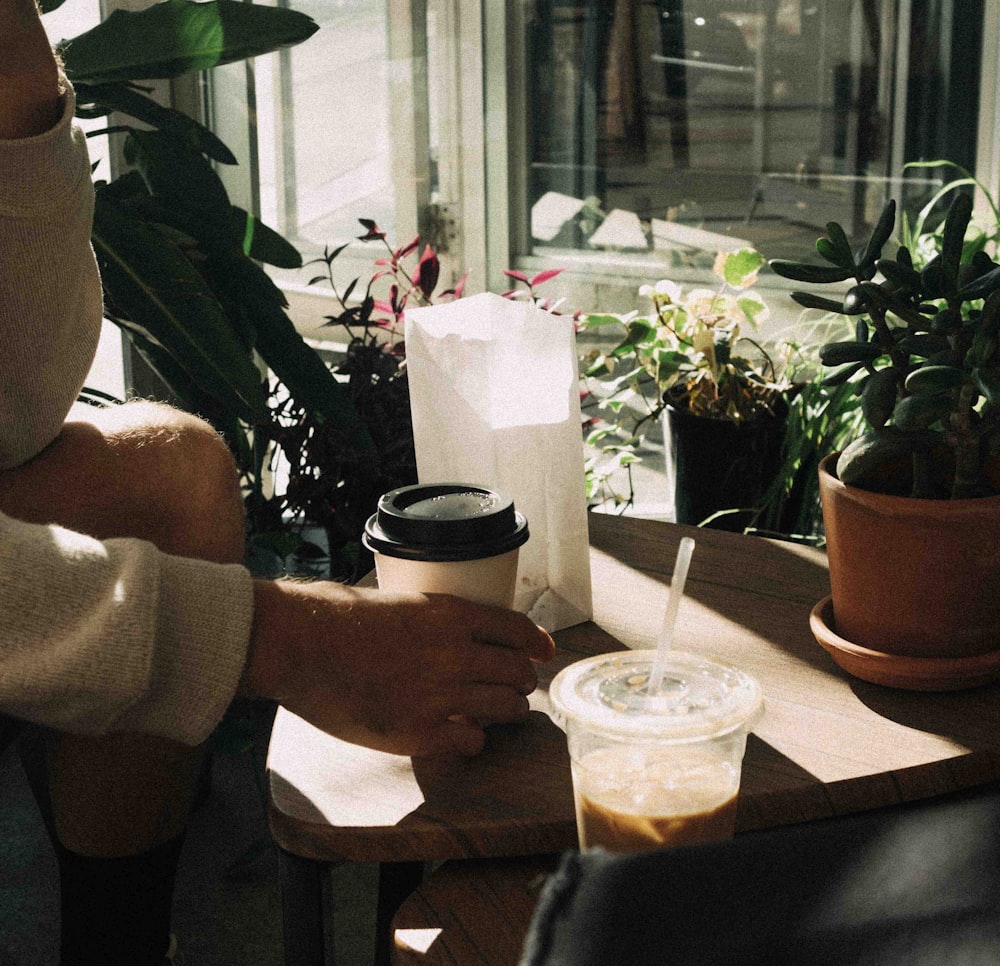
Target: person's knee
[200,501]
[189,472]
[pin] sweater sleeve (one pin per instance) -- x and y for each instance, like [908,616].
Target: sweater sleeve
[94,636]
[50,290]
[113,635]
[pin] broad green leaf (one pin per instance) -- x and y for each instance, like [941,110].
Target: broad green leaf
[263,243]
[149,280]
[305,375]
[128,100]
[177,36]
[183,179]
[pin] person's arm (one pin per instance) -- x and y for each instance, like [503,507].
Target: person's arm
[29,77]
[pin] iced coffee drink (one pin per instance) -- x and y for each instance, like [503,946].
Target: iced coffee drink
[651,771]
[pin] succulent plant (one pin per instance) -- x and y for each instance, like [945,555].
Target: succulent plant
[924,357]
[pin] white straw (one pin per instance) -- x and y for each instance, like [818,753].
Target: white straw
[681,564]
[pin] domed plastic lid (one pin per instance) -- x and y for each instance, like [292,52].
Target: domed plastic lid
[445,521]
[699,698]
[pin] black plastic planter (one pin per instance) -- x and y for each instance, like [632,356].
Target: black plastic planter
[720,464]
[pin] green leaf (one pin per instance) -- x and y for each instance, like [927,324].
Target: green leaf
[47,6]
[983,286]
[811,274]
[869,452]
[152,284]
[880,235]
[955,224]
[640,331]
[918,412]
[932,380]
[597,321]
[305,375]
[842,375]
[263,243]
[740,266]
[988,383]
[127,100]
[836,248]
[178,36]
[879,398]
[838,353]
[809,301]
[184,180]
[752,306]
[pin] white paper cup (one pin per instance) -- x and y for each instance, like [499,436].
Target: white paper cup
[447,538]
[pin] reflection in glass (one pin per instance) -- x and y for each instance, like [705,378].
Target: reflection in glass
[681,127]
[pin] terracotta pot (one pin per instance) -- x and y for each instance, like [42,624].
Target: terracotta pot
[912,577]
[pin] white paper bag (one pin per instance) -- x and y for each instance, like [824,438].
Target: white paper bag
[495,400]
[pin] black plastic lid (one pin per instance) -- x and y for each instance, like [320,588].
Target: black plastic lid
[445,521]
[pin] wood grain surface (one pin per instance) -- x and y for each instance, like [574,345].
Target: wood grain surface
[826,744]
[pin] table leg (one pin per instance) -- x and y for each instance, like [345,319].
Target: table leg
[304,900]
[396,880]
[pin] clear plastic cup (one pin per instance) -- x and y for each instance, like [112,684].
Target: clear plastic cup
[651,771]
[447,538]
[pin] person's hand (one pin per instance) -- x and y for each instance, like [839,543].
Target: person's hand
[413,674]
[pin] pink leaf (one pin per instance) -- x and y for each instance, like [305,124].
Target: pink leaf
[372,230]
[401,253]
[545,276]
[426,275]
[520,276]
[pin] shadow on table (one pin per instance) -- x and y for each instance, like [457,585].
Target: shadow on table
[968,717]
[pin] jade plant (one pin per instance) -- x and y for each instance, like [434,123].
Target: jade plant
[923,359]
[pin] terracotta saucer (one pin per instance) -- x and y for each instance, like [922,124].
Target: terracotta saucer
[897,671]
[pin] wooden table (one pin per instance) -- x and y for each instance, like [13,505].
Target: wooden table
[826,745]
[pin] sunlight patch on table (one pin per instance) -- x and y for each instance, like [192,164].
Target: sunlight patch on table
[416,940]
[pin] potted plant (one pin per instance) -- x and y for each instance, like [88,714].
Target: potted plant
[724,398]
[912,507]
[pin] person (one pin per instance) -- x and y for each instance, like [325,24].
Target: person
[129,623]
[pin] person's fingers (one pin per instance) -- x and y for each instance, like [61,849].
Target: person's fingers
[506,628]
[490,664]
[459,735]
[491,704]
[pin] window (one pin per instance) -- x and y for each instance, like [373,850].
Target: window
[619,139]
[651,133]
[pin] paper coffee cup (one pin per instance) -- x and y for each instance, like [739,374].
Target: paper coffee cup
[447,538]
[651,771]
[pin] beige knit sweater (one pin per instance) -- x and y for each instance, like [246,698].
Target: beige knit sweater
[95,636]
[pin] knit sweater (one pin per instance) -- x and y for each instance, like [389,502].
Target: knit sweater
[95,636]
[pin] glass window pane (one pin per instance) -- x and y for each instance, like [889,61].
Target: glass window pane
[673,128]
